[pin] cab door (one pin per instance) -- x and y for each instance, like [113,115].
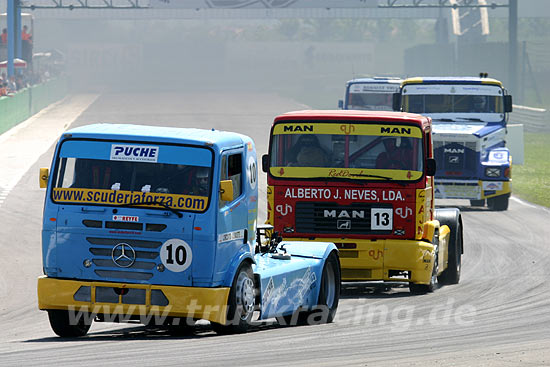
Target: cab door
[232,215]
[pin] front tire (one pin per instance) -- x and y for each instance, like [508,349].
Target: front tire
[66,326]
[241,303]
[498,203]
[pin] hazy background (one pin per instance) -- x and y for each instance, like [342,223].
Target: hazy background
[309,59]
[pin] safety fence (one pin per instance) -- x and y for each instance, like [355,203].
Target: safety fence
[533,119]
[28,101]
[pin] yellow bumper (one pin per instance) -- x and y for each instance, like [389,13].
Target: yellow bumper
[362,260]
[133,299]
[506,189]
[473,191]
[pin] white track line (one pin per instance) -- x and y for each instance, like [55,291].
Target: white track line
[22,145]
[527,204]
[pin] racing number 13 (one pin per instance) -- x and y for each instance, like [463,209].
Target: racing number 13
[381,218]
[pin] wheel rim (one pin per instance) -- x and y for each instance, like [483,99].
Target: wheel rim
[245,295]
[329,287]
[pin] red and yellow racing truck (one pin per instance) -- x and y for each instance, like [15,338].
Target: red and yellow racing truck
[364,180]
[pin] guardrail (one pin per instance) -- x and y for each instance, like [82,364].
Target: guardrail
[533,119]
[20,106]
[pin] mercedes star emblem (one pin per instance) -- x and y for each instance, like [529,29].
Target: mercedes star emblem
[123,255]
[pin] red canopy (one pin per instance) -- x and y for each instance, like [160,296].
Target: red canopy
[17,63]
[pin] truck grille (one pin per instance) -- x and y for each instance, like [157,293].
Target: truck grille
[141,269]
[312,217]
[456,159]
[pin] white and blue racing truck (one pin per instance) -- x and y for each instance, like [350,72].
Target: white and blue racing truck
[372,94]
[469,130]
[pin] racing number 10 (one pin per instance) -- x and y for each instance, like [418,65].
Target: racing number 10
[381,218]
[176,255]
[179,254]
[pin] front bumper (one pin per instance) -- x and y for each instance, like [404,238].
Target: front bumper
[388,260]
[123,299]
[470,189]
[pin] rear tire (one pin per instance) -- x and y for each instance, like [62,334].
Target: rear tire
[451,275]
[241,303]
[327,302]
[66,326]
[498,203]
[329,294]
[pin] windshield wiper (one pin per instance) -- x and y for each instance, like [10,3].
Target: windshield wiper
[373,176]
[446,120]
[175,211]
[377,176]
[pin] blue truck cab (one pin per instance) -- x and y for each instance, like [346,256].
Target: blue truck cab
[372,94]
[469,116]
[158,224]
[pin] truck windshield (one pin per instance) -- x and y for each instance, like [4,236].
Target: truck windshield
[370,101]
[81,179]
[350,150]
[432,103]
[481,99]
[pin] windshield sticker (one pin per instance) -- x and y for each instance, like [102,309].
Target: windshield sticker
[374,88]
[488,90]
[134,153]
[122,198]
[348,129]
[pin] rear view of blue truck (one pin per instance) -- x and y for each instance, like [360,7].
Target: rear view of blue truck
[157,225]
[469,132]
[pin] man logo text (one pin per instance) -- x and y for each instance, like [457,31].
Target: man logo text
[302,128]
[396,130]
[344,214]
[454,150]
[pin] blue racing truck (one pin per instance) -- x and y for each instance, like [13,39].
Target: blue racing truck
[469,117]
[371,94]
[158,225]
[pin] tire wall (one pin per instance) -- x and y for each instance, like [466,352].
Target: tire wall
[27,102]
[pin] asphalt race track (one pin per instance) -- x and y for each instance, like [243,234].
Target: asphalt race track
[499,314]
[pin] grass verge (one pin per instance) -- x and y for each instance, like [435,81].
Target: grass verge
[531,181]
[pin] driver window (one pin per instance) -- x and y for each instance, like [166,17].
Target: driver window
[231,169]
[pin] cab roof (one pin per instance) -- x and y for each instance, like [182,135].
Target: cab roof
[157,134]
[451,80]
[358,115]
[377,79]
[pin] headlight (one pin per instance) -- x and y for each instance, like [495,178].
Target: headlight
[492,172]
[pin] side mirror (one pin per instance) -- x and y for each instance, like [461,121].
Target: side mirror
[226,190]
[340,104]
[396,102]
[508,103]
[430,167]
[265,162]
[43,178]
